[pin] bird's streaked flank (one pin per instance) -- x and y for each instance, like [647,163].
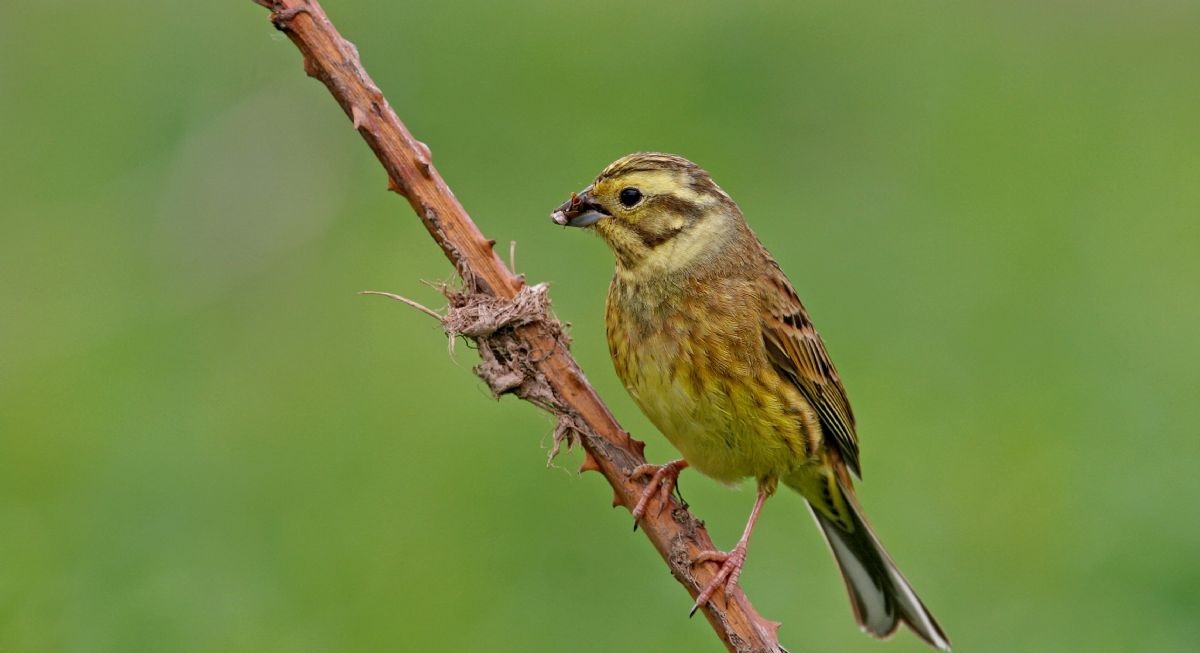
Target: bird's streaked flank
[710,339]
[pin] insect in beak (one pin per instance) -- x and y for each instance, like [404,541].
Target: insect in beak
[579,211]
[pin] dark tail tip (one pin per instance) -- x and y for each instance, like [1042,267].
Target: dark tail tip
[879,593]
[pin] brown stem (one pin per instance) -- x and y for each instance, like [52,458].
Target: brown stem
[523,354]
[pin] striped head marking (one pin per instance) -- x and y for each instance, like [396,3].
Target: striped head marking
[645,206]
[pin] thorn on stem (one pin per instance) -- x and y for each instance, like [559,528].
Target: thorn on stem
[589,463]
[310,68]
[357,117]
[424,158]
[397,187]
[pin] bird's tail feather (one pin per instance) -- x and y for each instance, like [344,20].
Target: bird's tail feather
[879,593]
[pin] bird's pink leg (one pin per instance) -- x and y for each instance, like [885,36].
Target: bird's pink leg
[731,563]
[662,480]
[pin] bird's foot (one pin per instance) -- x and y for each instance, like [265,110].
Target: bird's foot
[727,577]
[731,563]
[662,481]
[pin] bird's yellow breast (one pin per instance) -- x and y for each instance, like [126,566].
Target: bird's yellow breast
[691,354]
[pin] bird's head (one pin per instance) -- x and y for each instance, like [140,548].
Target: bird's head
[653,208]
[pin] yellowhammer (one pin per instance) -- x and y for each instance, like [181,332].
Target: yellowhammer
[709,337]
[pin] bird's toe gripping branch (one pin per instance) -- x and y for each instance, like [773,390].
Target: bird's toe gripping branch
[662,480]
[732,562]
[731,570]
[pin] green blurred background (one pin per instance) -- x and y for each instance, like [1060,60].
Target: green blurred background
[211,442]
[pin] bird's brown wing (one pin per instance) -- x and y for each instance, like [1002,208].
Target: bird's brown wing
[795,349]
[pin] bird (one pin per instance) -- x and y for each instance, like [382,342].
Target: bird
[711,340]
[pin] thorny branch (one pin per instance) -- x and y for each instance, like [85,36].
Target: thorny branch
[523,348]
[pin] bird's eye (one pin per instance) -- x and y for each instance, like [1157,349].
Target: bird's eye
[629,197]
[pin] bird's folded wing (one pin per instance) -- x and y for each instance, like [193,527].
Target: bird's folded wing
[797,352]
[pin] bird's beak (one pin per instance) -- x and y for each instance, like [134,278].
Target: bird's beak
[579,211]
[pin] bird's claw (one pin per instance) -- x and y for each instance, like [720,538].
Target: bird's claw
[662,481]
[727,577]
